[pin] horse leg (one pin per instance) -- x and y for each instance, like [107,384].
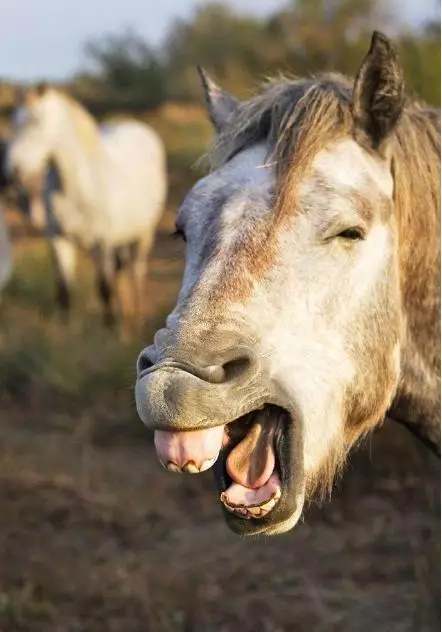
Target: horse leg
[139,267]
[64,255]
[106,273]
[125,255]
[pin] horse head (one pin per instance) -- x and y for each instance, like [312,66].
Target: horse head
[291,333]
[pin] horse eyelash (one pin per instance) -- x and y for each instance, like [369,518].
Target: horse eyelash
[352,234]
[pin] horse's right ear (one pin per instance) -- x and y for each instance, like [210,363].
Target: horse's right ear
[221,106]
[379,92]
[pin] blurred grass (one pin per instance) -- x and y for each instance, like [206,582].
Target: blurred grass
[31,284]
[25,602]
[74,378]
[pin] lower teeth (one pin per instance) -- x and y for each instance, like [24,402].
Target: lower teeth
[253,511]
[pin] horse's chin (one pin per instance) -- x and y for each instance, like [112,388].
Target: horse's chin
[274,504]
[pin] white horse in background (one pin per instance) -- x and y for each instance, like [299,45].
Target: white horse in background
[102,189]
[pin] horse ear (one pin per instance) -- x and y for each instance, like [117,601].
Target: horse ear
[221,106]
[379,92]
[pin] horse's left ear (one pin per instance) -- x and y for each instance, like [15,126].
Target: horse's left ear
[379,92]
[221,106]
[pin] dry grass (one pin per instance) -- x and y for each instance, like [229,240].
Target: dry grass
[95,537]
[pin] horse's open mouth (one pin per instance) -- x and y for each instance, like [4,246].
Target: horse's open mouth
[249,458]
[248,471]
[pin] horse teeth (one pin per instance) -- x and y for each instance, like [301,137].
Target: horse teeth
[172,467]
[256,512]
[268,506]
[191,468]
[206,465]
[242,512]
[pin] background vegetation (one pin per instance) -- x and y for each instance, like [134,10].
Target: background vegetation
[305,36]
[124,71]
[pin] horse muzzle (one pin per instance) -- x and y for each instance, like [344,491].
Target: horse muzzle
[224,415]
[176,394]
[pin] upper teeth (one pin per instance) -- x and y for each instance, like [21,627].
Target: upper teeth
[190,467]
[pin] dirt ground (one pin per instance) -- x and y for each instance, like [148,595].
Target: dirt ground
[96,537]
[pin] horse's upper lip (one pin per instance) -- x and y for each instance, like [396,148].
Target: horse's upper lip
[166,364]
[171,395]
[207,374]
[214,372]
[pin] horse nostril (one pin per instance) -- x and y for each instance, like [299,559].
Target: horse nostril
[235,368]
[236,363]
[143,363]
[213,373]
[230,366]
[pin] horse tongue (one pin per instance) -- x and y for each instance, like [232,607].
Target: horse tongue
[252,462]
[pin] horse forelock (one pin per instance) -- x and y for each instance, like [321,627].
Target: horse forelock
[300,117]
[296,117]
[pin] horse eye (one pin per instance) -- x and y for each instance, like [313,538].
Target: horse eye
[351,234]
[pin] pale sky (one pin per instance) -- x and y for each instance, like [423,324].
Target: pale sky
[44,38]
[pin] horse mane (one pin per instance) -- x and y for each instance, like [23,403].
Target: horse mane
[300,117]
[281,113]
[87,130]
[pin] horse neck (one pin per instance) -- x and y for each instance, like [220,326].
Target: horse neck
[417,403]
[77,155]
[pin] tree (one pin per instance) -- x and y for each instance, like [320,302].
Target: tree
[127,69]
[319,35]
[239,50]
[421,59]
[228,44]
